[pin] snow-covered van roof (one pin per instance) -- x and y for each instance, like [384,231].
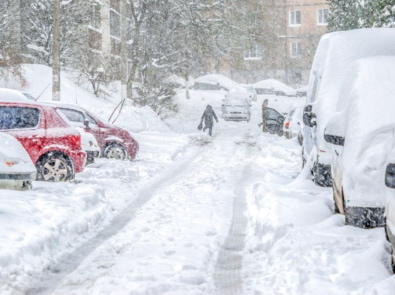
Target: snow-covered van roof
[335,53]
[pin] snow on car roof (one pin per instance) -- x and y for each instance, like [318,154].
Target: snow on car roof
[276,85]
[215,79]
[12,95]
[335,53]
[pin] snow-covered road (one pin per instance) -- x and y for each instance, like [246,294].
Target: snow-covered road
[232,214]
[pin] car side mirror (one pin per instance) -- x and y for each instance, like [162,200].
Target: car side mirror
[334,132]
[309,118]
[86,123]
[390,175]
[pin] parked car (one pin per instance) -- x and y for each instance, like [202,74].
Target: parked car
[114,142]
[236,107]
[252,95]
[214,82]
[88,141]
[17,170]
[293,124]
[53,146]
[90,145]
[335,53]
[274,87]
[361,133]
[274,121]
[389,213]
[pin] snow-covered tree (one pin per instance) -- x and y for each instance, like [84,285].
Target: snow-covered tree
[354,14]
[10,35]
[176,37]
[37,28]
[343,15]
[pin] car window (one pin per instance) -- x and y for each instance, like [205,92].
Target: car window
[91,120]
[73,115]
[18,117]
[271,114]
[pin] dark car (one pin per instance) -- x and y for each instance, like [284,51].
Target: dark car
[274,121]
[52,144]
[114,141]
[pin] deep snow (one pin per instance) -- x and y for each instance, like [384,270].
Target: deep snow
[232,214]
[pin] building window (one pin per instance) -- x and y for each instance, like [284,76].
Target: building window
[115,24]
[95,16]
[94,39]
[253,52]
[115,4]
[294,18]
[115,46]
[296,49]
[322,17]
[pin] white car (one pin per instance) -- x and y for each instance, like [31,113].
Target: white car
[252,95]
[293,124]
[17,170]
[335,53]
[90,145]
[236,107]
[362,136]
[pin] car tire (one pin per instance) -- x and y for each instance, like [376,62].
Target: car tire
[55,167]
[115,151]
[300,139]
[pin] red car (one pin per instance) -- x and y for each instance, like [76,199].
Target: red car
[114,142]
[52,144]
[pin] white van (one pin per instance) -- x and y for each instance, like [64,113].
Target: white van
[361,132]
[335,52]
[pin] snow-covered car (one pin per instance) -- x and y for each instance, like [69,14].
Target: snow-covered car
[52,144]
[214,82]
[274,121]
[389,213]
[17,170]
[273,86]
[335,53]
[89,145]
[361,133]
[114,142]
[293,124]
[88,141]
[236,107]
[252,96]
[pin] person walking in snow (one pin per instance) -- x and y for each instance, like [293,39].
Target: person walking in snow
[208,117]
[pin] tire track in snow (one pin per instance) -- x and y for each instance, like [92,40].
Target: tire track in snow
[227,276]
[71,261]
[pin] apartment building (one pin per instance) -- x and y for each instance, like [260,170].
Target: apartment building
[292,30]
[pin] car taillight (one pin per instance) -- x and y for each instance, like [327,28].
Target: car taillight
[287,125]
[76,141]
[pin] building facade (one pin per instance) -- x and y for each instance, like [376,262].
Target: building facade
[292,30]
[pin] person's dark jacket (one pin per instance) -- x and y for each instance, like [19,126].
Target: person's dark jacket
[209,116]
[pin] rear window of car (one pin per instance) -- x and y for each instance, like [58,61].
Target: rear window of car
[13,117]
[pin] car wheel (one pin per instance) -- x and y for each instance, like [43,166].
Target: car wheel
[300,139]
[115,151]
[55,167]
